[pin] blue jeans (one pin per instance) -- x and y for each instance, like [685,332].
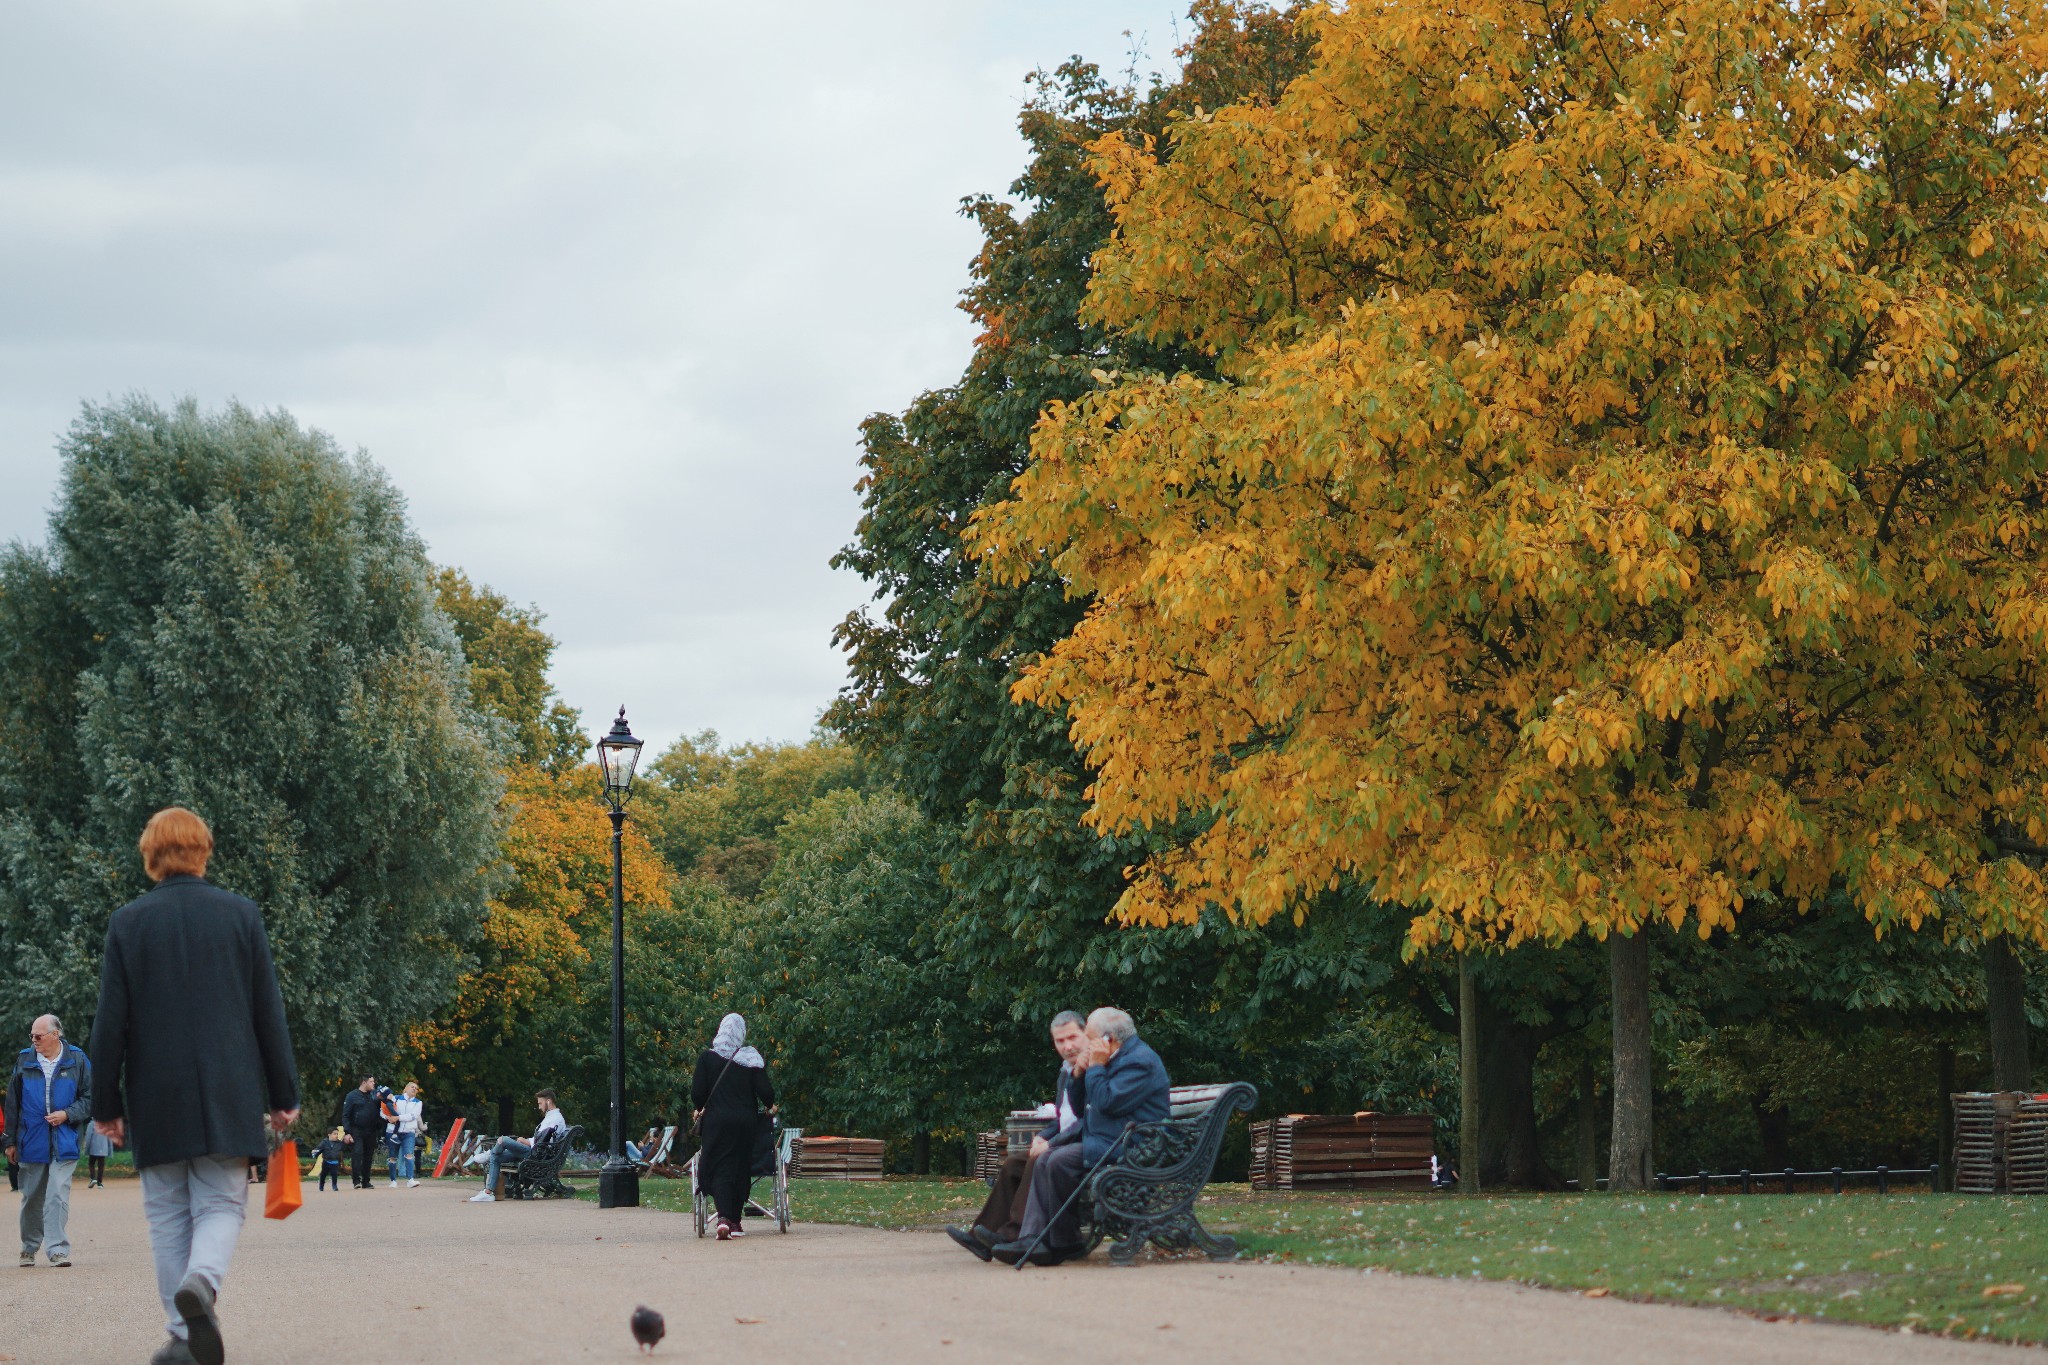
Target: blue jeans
[508,1149]
[402,1164]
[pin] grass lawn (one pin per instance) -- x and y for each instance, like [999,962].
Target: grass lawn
[1960,1265]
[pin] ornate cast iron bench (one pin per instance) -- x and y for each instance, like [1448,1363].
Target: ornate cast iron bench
[539,1173]
[1148,1194]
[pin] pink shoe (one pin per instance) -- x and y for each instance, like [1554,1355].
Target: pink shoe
[724,1231]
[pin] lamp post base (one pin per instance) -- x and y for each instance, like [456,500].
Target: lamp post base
[618,1186]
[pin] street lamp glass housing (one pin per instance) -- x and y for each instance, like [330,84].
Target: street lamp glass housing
[617,755]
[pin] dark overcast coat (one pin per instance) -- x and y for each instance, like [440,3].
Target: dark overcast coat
[190,1044]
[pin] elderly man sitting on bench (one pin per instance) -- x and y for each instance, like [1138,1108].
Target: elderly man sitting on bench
[1125,1083]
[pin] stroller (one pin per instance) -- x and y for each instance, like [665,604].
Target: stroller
[774,1151]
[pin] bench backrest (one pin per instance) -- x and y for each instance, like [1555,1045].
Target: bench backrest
[1192,1101]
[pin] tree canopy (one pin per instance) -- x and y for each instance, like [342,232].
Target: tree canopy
[232,615]
[1620,496]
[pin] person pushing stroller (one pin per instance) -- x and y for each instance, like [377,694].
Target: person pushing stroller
[727,1094]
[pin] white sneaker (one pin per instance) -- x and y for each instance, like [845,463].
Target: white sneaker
[483,1197]
[412,1184]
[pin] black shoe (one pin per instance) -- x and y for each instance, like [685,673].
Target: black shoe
[970,1241]
[1009,1253]
[983,1236]
[194,1302]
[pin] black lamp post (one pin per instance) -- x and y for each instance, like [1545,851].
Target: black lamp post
[618,1184]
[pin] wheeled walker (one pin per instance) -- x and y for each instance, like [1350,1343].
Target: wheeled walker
[772,1161]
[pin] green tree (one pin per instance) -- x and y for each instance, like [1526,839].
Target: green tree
[232,615]
[714,811]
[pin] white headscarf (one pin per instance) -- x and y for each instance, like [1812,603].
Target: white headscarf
[732,1032]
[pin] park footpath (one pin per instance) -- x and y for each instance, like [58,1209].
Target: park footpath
[399,1275]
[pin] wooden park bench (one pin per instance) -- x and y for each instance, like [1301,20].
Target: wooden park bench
[539,1173]
[1148,1193]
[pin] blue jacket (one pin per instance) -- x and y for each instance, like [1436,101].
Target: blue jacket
[1129,1088]
[70,1091]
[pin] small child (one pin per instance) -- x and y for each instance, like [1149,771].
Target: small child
[328,1154]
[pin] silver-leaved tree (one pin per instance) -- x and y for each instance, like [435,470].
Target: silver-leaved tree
[233,615]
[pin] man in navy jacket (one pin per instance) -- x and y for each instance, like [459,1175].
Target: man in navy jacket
[49,1098]
[1126,1083]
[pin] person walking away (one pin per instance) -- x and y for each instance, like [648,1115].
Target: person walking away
[511,1150]
[363,1117]
[97,1149]
[726,1106]
[191,1050]
[408,1108]
[49,1097]
[327,1156]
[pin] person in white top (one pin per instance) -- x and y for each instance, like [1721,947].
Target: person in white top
[512,1149]
[1003,1214]
[409,1107]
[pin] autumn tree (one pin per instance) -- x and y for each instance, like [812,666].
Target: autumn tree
[1618,498]
[999,784]
[534,1001]
[508,653]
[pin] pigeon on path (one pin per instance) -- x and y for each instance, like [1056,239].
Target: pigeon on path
[648,1327]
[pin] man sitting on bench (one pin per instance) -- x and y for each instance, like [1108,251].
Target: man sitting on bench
[512,1150]
[1125,1083]
[1003,1214]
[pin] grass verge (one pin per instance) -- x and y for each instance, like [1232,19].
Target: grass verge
[1957,1265]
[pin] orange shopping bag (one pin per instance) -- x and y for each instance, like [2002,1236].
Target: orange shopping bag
[282,1193]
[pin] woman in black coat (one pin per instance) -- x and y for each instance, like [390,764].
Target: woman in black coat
[731,1087]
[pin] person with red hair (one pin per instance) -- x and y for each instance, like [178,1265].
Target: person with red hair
[191,1048]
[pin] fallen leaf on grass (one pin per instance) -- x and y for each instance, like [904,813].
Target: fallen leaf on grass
[750,1322]
[1992,1291]
[1597,1293]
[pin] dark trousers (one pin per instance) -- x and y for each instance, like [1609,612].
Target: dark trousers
[95,1169]
[1003,1214]
[330,1170]
[362,1153]
[1054,1177]
[725,1165]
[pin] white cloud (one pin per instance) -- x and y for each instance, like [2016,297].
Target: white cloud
[562,269]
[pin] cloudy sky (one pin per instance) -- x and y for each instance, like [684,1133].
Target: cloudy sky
[606,286]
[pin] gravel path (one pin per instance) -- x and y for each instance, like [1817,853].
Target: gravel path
[419,1275]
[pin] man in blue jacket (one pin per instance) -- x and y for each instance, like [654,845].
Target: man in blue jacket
[1125,1083]
[49,1099]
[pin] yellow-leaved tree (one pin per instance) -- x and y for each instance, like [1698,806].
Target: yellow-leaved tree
[522,1012]
[1623,494]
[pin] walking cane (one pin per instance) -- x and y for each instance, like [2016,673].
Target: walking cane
[1025,1259]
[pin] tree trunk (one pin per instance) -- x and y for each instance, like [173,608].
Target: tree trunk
[1774,1126]
[1589,1130]
[2005,1004]
[1468,1078]
[1944,1121]
[921,1153]
[1629,1155]
[1510,1154]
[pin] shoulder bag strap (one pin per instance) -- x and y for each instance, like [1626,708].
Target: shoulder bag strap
[696,1120]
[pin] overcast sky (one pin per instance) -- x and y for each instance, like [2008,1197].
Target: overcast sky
[606,286]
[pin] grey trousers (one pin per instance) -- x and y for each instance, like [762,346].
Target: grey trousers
[195,1211]
[46,1207]
[1054,1177]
